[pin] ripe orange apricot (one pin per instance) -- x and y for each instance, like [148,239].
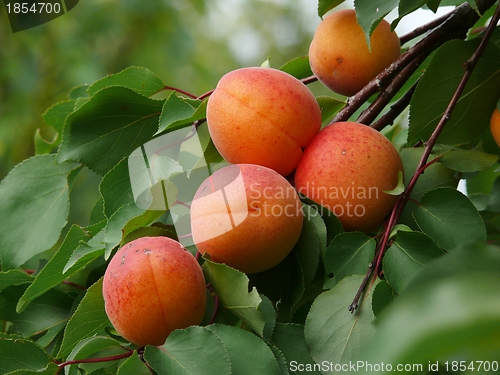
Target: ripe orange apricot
[495,125]
[246,216]
[339,55]
[151,287]
[262,116]
[346,168]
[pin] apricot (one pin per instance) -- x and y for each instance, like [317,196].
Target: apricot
[262,116]
[246,216]
[495,126]
[346,168]
[339,55]
[151,287]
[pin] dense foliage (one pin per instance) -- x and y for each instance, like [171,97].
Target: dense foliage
[421,293]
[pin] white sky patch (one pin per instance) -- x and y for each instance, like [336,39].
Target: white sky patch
[226,20]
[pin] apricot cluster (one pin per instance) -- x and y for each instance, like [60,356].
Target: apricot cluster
[248,215]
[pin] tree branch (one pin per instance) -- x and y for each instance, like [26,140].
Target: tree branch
[469,66]
[395,110]
[455,26]
[371,113]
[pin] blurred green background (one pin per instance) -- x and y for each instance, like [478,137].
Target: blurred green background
[189,44]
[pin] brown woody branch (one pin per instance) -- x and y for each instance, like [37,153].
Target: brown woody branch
[455,26]
[469,66]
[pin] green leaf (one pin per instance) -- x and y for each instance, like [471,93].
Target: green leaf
[21,354]
[141,80]
[91,347]
[79,92]
[332,223]
[408,254]
[280,358]
[52,274]
[50,334]
[87,251]
[124,221]
[298,67]
[232,288]
[383,295]
[249,355]
[329,107]
[369,13]
[289,339]
[400,187]
[438,85]
[325,5]
[178,111]
[449,218]
[133,365]
[310,246]
[467,160]
[266,63]
[43,146]
[45,312]
[450,310]
[115,188]
[89,319]
[436,175]
[108,127]
[481,188]
[348,254]
[51,369]
[192,351]
[408,6]
[332,333]
[56,115]
[34,207]
[14,277]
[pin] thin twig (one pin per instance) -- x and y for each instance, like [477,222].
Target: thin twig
[95,360]
[424,28]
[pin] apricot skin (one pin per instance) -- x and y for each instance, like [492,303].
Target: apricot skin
[346,168]
[246,216]
[151,287]
[339,55]
[262,116]
[495,126]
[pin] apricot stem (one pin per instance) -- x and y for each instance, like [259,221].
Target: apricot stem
[180,91]
[216,308]
[94,360]
[424,164]
[205,95]
[66,282]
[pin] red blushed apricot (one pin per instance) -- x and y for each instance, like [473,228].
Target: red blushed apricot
[246,216]
[346,168]
[151,287]
[262,116]
[339,55]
